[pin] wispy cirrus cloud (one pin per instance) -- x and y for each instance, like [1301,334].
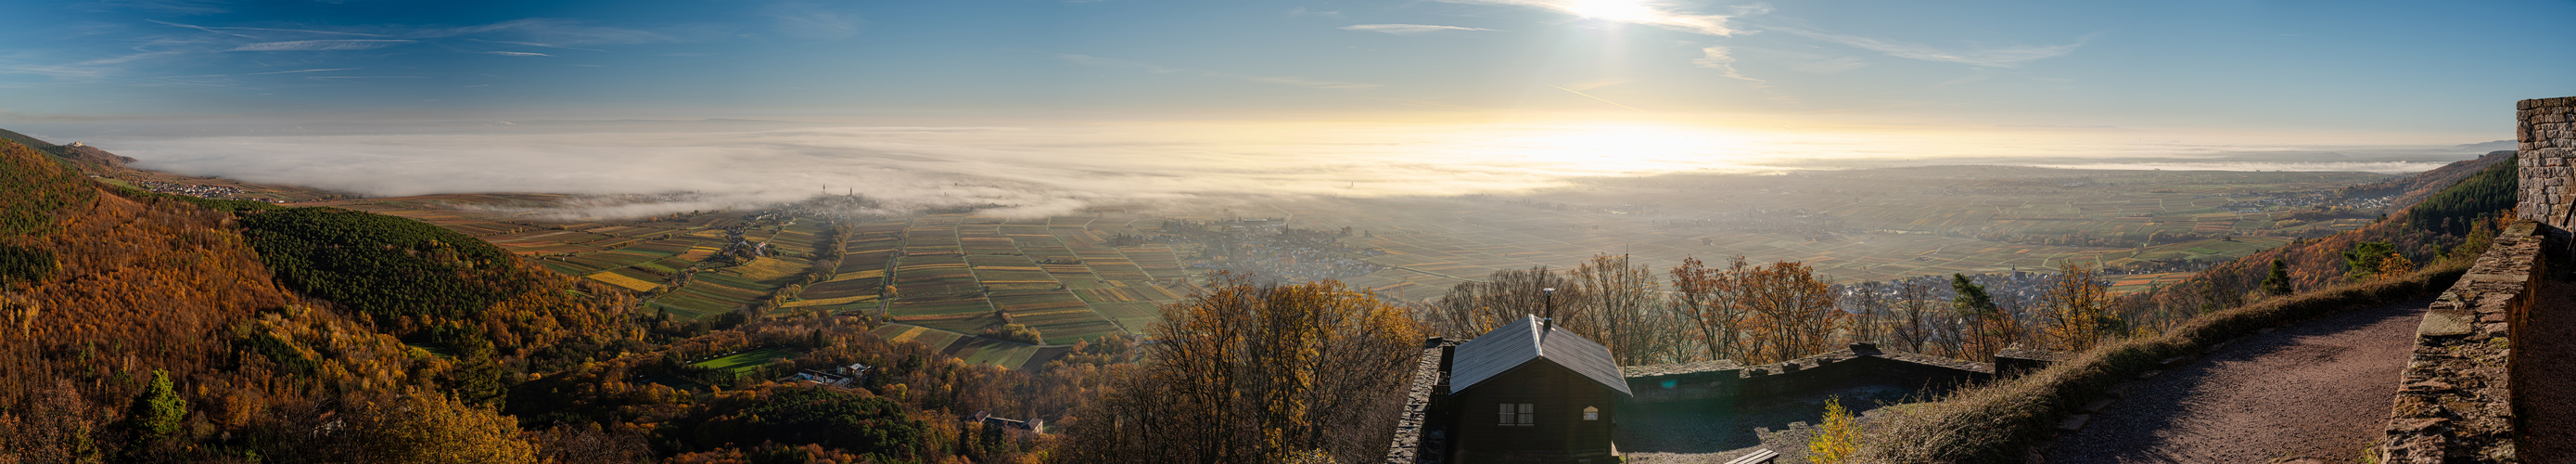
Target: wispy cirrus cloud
[1720,58]
[537,44]
[2000,57]
[506,53]
[320,45]
[1281,80]
[812,21]
[300,71]
[1644,13]
[546,31]
[1831,66]
[225,30]
[1412,29]
[185,7]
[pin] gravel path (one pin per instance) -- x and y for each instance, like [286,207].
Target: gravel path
[2548,389]
[2319,389]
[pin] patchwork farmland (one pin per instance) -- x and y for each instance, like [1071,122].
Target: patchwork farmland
[942,279]
[946,278]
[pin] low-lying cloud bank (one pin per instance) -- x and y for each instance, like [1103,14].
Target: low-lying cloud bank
[1048,171]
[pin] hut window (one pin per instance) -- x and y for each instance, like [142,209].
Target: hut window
[1520,414]
[1591,413]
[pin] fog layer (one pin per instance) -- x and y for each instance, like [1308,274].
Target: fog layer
[1046,171]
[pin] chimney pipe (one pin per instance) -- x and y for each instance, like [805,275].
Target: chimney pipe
[1548,318]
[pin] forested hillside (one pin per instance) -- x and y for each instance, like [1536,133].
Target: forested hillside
[2407,190]
[144,301]
[160,328]
[2453,222]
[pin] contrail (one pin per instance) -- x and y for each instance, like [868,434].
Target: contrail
[1603,100]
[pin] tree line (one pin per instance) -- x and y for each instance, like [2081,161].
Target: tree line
[1770,312]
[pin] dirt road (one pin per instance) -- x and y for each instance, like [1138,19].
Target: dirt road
[2317,389]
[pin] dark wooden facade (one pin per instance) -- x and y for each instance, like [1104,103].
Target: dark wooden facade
[1558,433]
[1564,391]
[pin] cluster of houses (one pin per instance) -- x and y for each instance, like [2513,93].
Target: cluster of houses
[838,377]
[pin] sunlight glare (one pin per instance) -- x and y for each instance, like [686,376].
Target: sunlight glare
[1625,149]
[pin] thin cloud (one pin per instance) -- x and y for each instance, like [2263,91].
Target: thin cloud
[548,31]
[2000,57]
[1720,58]
[1603,100]
[302,71]
[222,29]
[320,45]
[535,44]
[185,7]
[1089,60]
[1302,11]
[517,54]
[1637,13]
[197,27]
[1412,29]
[1832,66]
[811,21]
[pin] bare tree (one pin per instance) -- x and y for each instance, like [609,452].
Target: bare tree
[1868,313]
[1796,310]
[1918,331]
[1709,299]
[1473,308]
[1624,309]
[1259,373]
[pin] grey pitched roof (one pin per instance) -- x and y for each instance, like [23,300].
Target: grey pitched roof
[1518,343]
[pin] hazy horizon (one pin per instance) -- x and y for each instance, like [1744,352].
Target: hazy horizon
[1054,105]
[1038,171]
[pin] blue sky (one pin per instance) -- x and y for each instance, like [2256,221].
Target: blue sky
[2446,68]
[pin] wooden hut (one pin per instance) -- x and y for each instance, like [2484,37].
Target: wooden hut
[1531,392]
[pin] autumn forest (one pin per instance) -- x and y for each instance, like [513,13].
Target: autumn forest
[148,327]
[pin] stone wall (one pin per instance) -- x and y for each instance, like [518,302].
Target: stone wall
[1430,381]
[2547,132]
[1861,363]
[2455,399]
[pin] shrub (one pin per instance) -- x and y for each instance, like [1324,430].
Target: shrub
[1015,333]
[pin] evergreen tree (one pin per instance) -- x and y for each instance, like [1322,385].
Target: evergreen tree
[1972,299]
[1987,328]
[2279,282]
[158,410]
[2363,260]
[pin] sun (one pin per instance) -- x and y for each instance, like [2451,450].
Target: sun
[1614,10]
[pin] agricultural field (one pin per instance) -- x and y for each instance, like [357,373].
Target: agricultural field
[1852,225]
[747,360]
[942,278]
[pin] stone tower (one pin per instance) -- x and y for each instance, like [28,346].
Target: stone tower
[2547,132]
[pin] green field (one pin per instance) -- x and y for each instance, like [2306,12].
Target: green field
[945,277]
[746,361]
